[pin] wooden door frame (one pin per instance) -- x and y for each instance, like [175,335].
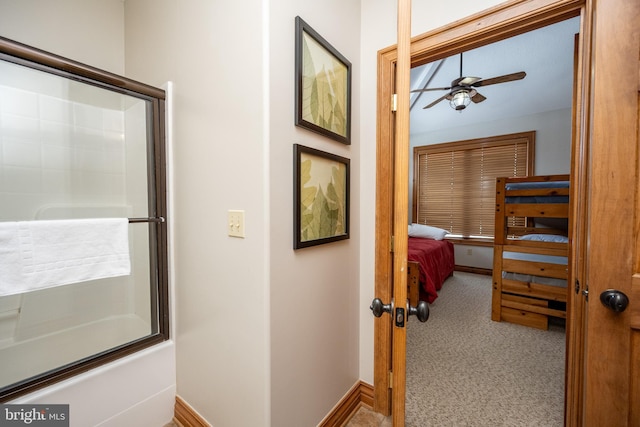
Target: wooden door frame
[612,350]
[500,22]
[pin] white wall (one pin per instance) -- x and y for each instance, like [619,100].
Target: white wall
[314,291]
[266,335]
[473,256]
[553,137]
[212,52]
[69,28]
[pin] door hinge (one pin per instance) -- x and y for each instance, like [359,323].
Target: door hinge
[390,379]
[577,286]
[585,293]
[394,102]
[392,244]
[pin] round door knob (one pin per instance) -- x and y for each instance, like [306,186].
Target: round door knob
[378,307]
[421,311]
[614,300]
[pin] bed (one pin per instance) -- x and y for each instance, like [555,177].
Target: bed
[531,250]
[430,262]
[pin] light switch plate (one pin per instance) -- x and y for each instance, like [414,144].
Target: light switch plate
[235,223]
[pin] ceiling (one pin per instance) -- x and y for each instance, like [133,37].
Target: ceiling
[546,55]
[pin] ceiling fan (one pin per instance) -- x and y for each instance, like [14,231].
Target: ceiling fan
[463,89]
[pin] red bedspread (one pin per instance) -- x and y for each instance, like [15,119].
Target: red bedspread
[436,259]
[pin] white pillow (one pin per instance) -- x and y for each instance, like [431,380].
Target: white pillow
[546,238]
[427,232]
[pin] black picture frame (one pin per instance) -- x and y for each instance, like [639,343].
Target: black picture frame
[321,197]
[323,86]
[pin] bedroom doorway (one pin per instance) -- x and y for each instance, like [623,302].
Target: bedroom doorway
[466,34]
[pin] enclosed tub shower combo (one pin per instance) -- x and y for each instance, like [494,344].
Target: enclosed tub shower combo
[83,245]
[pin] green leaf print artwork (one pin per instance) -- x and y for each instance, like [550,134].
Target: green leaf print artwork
[324,88]
[322,199]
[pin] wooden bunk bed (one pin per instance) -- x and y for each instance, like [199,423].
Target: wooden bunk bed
[530,258]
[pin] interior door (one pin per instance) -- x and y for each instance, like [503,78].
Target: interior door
[401,213]
[612,340]
[398,308]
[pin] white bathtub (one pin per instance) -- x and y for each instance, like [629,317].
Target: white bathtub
[136,391]
[51,351]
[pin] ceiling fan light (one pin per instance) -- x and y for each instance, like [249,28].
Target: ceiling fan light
[460,100]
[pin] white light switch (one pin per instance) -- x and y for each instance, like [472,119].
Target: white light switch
[235,223]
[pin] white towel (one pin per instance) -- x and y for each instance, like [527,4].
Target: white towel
[42,254]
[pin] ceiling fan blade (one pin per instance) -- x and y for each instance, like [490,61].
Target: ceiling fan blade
[436,101]
[468,81]
[430,89]
[478,97]
[502,79]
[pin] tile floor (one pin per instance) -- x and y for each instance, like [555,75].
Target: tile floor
[365,417]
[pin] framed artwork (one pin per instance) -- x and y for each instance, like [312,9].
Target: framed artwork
[323,86]
[321,197]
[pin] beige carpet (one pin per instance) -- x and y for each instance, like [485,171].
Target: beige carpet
[465,370]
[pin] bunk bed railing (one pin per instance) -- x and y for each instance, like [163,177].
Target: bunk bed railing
[537,210]
[531,274]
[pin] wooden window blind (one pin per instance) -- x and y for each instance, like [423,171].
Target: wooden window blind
[454,184]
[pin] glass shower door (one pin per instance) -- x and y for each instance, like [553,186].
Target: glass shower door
[74,148]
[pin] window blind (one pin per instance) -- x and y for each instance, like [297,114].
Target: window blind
[455,182]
